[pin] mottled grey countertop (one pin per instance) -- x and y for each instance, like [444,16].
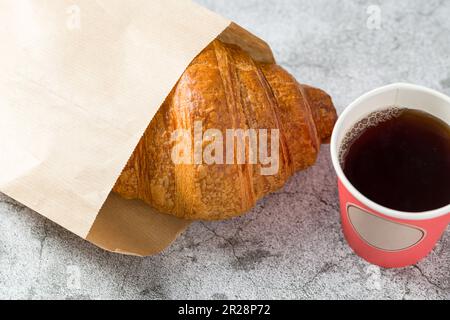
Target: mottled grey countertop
[290,245]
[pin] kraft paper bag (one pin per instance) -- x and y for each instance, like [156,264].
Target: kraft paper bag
[80,81]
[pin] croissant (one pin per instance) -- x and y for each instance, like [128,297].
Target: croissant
[224,88]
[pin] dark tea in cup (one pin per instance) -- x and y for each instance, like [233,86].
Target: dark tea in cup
[400,159]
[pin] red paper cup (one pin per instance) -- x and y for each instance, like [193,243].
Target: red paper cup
[382,236]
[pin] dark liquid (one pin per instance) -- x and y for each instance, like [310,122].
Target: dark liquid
[403,162]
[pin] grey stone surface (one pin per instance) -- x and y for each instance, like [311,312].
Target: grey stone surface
[290,245]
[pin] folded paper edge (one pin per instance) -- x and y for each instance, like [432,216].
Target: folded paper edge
[256,47]
[131,227]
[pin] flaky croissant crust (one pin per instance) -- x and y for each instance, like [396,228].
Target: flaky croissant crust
[225,89]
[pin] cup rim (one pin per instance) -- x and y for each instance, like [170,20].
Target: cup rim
[412,216]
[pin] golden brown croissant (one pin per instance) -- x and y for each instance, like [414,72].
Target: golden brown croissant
[224,88]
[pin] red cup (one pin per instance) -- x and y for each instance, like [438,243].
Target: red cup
[382,236]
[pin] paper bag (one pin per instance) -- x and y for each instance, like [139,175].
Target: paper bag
[80,82]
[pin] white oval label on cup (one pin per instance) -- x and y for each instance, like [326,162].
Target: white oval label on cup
[382,233]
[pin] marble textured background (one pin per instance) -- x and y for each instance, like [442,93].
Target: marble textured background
[290,245]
